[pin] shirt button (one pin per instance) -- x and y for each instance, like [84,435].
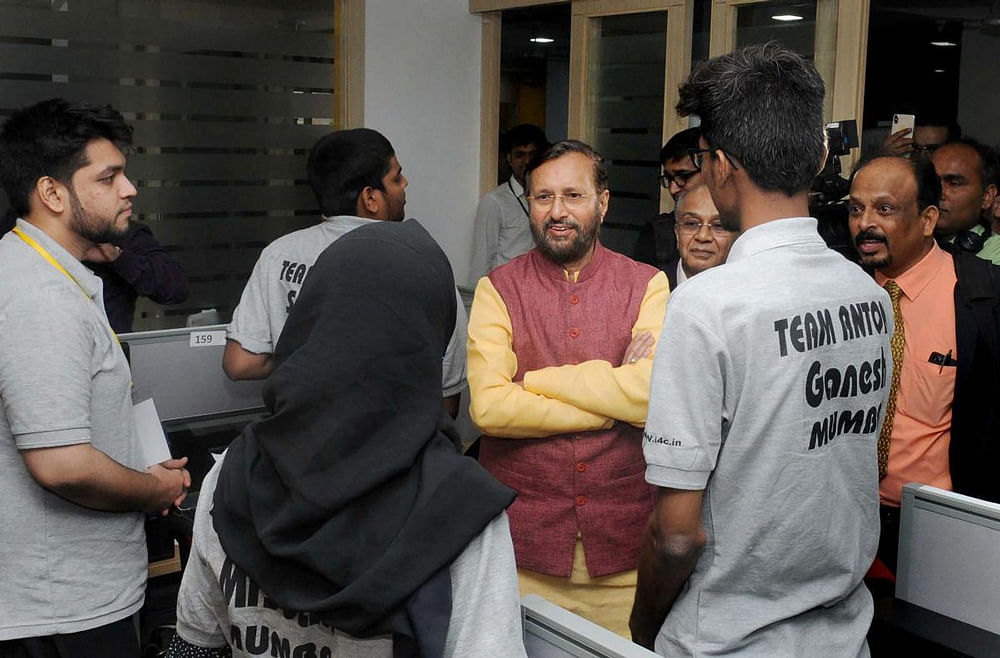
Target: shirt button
[574,333]
[580,501]
[574,299]
[581,467]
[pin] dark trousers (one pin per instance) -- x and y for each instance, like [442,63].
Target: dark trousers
[117,639]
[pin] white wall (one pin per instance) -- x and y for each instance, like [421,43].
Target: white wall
[422,71]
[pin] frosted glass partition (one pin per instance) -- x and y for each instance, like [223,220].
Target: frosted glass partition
[625,91]
[225,97]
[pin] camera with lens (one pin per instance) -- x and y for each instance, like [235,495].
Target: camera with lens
[826,197]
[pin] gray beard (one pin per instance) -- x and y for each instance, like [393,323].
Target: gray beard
[570,253]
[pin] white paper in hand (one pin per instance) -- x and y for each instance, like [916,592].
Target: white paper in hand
[152,443]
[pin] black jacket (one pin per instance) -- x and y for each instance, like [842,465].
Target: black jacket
[657,246]
[975,422]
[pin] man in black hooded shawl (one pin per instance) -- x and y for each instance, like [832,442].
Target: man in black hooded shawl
[349,507]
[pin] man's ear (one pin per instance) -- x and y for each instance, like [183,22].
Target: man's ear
[929,219]
[722,168]
[602,201]
[51,193]
[989,195]
[826,154]
[369,202]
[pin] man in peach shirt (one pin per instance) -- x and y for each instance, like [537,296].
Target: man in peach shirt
[944,430]
[560,353]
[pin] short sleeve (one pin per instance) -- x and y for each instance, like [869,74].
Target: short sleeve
[200,602]
[198,599]
[251,326]
[48,357]
[687,396]
[486,609]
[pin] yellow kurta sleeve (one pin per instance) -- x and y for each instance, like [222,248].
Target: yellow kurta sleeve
[599,387]
[497,405]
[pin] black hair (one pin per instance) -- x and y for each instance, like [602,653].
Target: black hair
[932,119]
[344,163]
[928,183]
[762,105]
[524,134]
[565,147]
[989,167]
[679,145]
[50,138]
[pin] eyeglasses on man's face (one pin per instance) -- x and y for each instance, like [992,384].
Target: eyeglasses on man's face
[681,178]
[692,226]
[697,156]
[570,199]
[925,149]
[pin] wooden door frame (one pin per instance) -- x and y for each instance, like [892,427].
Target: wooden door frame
[848,88]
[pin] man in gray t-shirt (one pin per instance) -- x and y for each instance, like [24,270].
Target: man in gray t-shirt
[73,554]
[767,396]
[357,179]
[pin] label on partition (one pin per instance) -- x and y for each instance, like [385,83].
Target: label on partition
[207,338]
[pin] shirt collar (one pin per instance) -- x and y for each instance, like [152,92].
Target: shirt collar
[978,229]
[516,186]
[349,219]
[681,274]
[89,282]
[913,281]
[774,234]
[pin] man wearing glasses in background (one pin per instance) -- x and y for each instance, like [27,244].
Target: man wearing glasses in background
[560,341]
[657,244]
[701,238]
[929,132]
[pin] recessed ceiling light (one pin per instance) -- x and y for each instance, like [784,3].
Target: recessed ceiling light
[541,40]
[943,43]
[939,70]
[786,17]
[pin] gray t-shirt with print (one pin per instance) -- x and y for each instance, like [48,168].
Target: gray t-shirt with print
[218,605]
[768,392]
[63,381]
[277,279]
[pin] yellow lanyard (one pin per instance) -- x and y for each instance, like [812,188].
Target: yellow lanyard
[54,263]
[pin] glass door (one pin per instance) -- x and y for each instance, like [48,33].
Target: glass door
[829,33]
[626,60]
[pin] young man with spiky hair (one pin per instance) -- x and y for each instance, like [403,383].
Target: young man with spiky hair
[766,396]
[356,179]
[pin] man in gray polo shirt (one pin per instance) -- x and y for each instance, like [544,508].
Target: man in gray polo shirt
[73,554]
[767,396]
[357,180]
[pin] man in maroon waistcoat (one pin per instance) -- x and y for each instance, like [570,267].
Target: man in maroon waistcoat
[560,354]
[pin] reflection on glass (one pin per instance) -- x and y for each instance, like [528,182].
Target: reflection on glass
[625,80]
[226,99]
